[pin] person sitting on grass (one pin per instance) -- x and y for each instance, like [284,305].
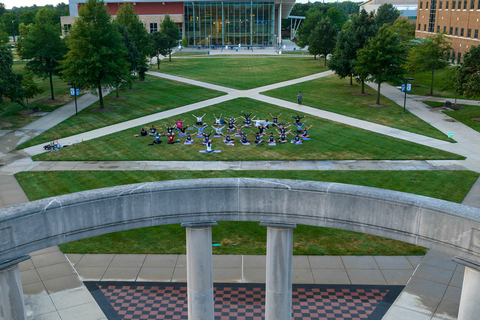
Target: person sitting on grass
[300,126]
[282,136]
[143,132]
[275,119]
[228,141]
[239,130]
[188,139]
[199,119]
[283,127]
[258,139]
[244,137]
[218,121]
[231,119]
[206,137]
[296,139]
[200,129]
[298,118]
[247,120]
[179,125]
[305,132]
[231,126]
[169,129]
[157,139]
[261,130]
[153,130]
[171,137]
[218,131]
[271,138]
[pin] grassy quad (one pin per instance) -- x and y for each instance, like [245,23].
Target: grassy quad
[332,94]
[242,72]
[10,112]
[329,141]
[466,115]
[154,95]
[248,236]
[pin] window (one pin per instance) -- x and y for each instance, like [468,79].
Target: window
[438,29]
[426,5]
[453,56]
[451,31]
[424,27]
[421,3]
[66,28]
[446,5]
[456,31]
[448,55]
[440,5]
[153,27]
[472,5]
[461,32]
[419,26]
[459,57]
[478,5]
[465,4]
[469,33]
[453,4]
[445,29]
[476,34]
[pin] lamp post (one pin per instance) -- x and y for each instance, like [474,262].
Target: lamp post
[405,96]
[13,30]
[75,95]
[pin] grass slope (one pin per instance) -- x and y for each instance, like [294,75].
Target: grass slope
[242,72]
[154,95]
[331,94]
[329,140]
[466,116]
[248,237]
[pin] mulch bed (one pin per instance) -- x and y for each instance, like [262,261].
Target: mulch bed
[360,94]
[25,113]
[5,124]
[473,119]
[132,89]
[118,98]
[53,101]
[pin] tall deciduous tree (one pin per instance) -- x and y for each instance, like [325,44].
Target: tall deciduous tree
[323,38]
[429,55]
[352,38]
[96,55]
[451,80]
[170,31]
[469,73]
[382,58]
[10,82]
[159,45]
[43,46]
[30,87]
[312,18]
[336,17]
[127,18]
[386,13]
[6,23]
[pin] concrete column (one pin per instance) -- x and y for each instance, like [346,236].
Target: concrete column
[12,304]
[469,308]
[199,270]
[280,25]
[278,287]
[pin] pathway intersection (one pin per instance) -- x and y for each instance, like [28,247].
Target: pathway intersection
[53,282]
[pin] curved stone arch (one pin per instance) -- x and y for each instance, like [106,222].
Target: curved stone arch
[432,223]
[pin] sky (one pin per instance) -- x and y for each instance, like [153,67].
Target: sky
[27,3]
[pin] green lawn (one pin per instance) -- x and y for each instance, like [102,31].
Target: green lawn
[422,82]
[9,113]
[248,236]
[242,72]
[332,94]
[329,141]
[466,116]
[154,95]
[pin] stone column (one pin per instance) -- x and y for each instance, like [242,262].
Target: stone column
[278,287]
[199,270]
[12,304]
[280,25]
[469,300]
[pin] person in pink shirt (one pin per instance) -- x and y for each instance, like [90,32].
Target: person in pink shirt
[179,124]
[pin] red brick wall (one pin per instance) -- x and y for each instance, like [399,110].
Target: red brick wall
[148,8]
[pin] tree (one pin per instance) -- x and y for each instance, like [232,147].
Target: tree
[96,55]
[312,18]
[336,17]
[132,57]
[138,44]
[382,58]
[43,46]
[171,33]
[3,38]
[27,17]
[159,45]
[30,87]
[352,38]
[429,55]
[450,80]
[386,13]
[469,73]
[404,30]
[10,82]
[323,38]
[6,23]
[2,9]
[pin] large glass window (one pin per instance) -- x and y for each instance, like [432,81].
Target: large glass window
[229,23]
[431,20]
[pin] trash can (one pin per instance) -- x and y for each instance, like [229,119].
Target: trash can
[208,53]
[236,49]
[294,49]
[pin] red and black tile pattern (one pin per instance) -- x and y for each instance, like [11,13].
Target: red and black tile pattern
[147,300]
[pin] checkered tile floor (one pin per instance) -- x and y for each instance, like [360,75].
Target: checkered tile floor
[135,300]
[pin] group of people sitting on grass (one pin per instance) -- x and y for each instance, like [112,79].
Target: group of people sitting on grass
[234,129]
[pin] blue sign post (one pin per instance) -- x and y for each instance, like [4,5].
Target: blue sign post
[408,87]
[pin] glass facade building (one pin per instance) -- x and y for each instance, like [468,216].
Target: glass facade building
[230,23]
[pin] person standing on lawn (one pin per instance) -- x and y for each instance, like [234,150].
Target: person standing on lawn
[299,98]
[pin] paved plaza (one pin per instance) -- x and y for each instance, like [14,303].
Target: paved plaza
[53,283]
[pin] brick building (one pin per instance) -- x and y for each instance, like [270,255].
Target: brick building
[206,22]
[459,19]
